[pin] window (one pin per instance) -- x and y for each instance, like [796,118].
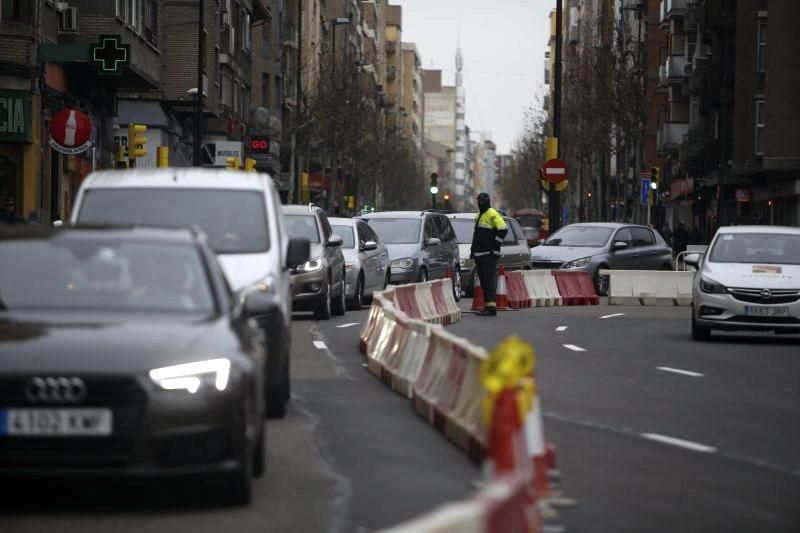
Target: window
[759,127]
[14,10]
[149,20]
[326,225]
[642,237]
[430,229]
[625,235]
[761,44]
[245,31]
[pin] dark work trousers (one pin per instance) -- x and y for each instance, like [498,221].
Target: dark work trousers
[487,272]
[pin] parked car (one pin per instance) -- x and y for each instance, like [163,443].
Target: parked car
[594,246]
[516,255]
[125,353]
[422,245]
[238,211]
[749,279]
[534,224]
[319,284]
[366,260]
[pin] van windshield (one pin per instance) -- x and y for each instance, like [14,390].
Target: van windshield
[235,221]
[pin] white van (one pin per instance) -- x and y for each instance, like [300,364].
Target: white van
[241,215]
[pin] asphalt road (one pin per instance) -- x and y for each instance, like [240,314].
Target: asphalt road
[350,456]
[618,391]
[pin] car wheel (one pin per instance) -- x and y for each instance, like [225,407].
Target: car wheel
[358,299]
[388,279]
[322,311]
[278,399]
[339,306]
[699,333]
[423,275]
[260,452]
[601,283]
[457,284]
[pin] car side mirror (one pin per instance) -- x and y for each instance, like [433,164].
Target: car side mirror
[619,245]
[335,240]
[692,260]
[369,245]
[433,241]
[298,252]
[257,303]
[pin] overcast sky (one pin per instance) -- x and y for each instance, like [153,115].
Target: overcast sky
[503,42]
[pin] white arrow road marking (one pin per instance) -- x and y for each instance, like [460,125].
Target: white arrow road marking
[679,371]
[574,348]
[614,315]
[348,325]
[319,345]
[672,441]
[562,328]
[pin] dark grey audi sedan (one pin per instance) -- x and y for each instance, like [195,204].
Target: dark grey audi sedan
[122,353]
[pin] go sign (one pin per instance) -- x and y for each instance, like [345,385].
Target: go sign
[259,144]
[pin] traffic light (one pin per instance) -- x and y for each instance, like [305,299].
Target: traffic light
[446,197]
[136,142]
[232,163]
[654,178]
[250,165]
[434,180]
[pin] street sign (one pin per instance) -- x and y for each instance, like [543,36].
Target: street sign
[110,55]
[555,170]
[70,131]
[644,192]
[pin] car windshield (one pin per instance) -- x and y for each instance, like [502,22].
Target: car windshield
[586,236]
[464,229]
[302,226]
[396,230]
[104,275]
[769,248]
[346,233]
[234,221]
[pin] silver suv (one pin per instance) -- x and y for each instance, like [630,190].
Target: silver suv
[422,245]
[319,284]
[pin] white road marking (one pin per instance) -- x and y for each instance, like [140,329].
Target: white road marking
[319,345]
[562,328]
[679,371]
[574,348]
[612,316]
[348,325]
[689,445]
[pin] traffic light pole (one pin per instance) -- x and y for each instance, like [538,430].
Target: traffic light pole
[555,200]
[197,158]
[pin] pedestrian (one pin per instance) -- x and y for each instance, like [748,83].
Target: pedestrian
[8,215]
[680,239]
[666,233]
[490,230]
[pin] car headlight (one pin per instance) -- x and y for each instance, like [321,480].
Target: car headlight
[190,376]
[577,263]
[349,265]
[404,263]
[711,286]
[311,265]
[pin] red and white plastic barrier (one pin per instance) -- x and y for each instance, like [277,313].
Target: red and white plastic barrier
[576,287]
[542,287]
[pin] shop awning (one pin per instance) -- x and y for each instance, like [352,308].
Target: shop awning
[147,112]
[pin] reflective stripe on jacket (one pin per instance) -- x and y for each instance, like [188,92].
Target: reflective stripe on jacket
[490,229]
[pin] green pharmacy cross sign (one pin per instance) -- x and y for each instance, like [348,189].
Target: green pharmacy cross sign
[110,55]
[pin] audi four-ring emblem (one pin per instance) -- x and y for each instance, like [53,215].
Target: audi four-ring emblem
[58,390]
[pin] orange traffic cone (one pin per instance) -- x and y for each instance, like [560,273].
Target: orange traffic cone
[505,443]
[502,292]
[478,303]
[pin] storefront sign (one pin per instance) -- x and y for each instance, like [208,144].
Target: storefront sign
[70,130]
[743,195]
[15,116]
[225,149]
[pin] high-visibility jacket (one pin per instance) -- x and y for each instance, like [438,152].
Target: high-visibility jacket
[490,229]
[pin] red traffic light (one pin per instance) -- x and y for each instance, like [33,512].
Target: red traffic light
[446,197]
[259,145]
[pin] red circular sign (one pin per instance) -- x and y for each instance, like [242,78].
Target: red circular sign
[71,128]
[555,170]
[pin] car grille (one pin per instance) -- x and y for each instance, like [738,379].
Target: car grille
[546,264]
[777,296]
[123,396]
[789,321]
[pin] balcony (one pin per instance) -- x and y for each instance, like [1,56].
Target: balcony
[671,8]
[670,136]
[391,72]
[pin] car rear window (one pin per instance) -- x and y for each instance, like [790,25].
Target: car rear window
[396,230]
[346,233]
[302,226]
[235,221]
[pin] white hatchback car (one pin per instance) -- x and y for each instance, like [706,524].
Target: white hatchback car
[749,279]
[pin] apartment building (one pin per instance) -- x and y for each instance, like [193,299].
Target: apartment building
[394,67]
[440,123]
[267,93]
[412,94]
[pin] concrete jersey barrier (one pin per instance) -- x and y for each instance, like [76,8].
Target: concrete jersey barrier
[649,287]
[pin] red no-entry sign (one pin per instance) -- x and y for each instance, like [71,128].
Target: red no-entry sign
[555,170]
